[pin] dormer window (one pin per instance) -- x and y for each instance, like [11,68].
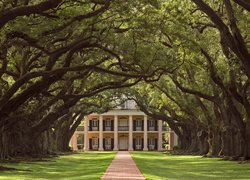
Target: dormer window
[124,105]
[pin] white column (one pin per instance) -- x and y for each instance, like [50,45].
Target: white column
[145,133]
[100,133]
[74,142]
[130,141]
[159,135]
[86,138]
[116,133]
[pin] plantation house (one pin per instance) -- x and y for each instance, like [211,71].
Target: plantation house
[123,128]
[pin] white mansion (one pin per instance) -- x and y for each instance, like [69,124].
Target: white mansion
[123,128]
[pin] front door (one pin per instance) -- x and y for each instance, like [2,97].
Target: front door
[151,143]
[138,143]
[123,143]
[108,144]
[95,143]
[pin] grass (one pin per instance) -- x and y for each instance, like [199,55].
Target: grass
[153,165]
[85,165]
[157,166]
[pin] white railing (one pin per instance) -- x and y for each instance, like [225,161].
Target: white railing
[123,128]
[151,128]
[107,128]
[138,128]
[94,128]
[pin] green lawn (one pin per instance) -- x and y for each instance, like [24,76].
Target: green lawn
[156,166]
[86,165]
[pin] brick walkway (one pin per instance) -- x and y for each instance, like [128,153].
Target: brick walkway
[122,167]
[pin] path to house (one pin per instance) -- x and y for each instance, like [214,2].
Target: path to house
[122,167]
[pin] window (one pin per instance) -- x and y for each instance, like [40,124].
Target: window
[80,128]
[80,139]
[95,143]
[108,143]
[151,141]
[138,123]
[151,123]
[108,123]
[95,122]
[124,105]
[137,141]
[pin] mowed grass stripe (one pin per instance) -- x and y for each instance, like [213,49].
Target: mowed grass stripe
[84,165]
[158,166]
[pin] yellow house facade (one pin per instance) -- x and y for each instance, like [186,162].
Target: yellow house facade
[125,128]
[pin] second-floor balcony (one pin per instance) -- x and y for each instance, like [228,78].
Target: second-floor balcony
[123,128]
[94,128]
[108,128]
[80,128]
[165,128]
[138,128]
[152,128]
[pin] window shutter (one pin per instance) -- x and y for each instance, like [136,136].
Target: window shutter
[104,140]
[98,125]
[90,143]
[148,143]
[155,123]
[156,143]
[142,143]
[133,143]
[112,144]
[112,125]
[134,128]
[142,125]
[90,125]
[104,125]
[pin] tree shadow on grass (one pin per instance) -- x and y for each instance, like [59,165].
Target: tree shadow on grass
[2,168]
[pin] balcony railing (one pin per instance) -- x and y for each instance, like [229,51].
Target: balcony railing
[164,128]
[107,128]
[122,128]
[152,128]
[138,128]
[80,128]
[94,128]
